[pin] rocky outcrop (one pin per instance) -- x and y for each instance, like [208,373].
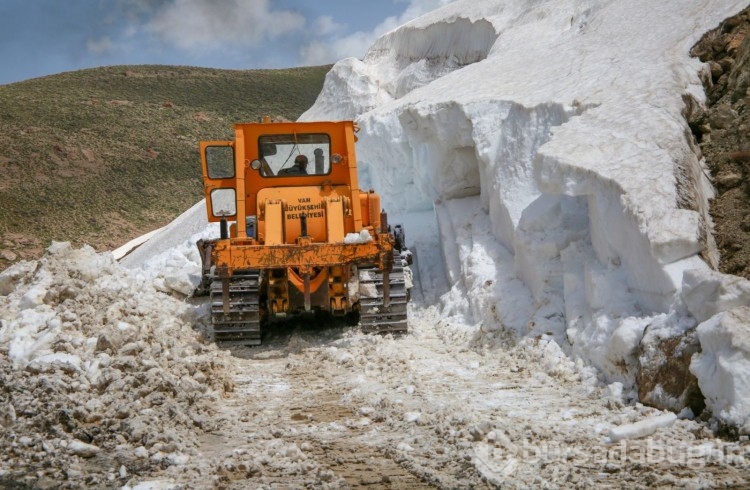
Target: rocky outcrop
[722,130]
[663,375]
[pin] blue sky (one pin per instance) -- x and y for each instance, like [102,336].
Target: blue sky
[43,37]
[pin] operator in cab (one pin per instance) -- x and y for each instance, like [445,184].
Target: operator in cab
[299,167]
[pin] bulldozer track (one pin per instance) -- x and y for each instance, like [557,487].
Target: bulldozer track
[241,324]
[375,315]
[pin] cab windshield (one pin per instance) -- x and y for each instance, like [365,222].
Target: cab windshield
[284,154]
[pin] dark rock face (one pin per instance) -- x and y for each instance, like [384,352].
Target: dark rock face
[722,130]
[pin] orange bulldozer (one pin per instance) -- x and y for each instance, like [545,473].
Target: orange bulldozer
[296,234]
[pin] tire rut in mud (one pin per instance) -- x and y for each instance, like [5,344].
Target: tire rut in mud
[286,424]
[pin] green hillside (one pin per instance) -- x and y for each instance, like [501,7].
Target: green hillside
[103,155]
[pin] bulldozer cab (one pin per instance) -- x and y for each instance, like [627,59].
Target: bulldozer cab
[241,175]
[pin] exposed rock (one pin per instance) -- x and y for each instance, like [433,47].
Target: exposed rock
[716,70]
[745,223]
[82,449]
[89,155]
[722,117]
[721,129]
[7,415]
[663,376]
[8,255]
[728,180]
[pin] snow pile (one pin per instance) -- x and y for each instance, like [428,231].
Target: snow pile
[561,128]
[93,358]
[723,367]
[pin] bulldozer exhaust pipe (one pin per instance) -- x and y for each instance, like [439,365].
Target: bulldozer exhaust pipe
[303,224]
[223,229]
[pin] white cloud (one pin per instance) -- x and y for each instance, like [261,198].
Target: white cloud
[99,46]
[356,44]
[414,10]
[206,24]
[332,50]
[326,25]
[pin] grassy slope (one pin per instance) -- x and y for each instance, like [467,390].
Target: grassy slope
[100,156]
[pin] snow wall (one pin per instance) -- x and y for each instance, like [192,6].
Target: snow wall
[558,130]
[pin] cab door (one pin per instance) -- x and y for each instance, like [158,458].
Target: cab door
[219,179]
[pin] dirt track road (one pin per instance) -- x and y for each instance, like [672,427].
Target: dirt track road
[339,409]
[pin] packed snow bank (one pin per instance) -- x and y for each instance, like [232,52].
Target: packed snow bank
[563,115]
[189,223]
[168,257]
[566,125]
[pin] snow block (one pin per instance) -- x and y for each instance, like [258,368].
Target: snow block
[723,366]
[708,292]
[11,277]
[604,287]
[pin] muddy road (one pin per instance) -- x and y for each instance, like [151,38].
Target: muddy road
[339,409]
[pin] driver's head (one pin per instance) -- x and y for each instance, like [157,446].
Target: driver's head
[301,161]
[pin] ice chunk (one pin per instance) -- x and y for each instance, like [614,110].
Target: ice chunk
[412,416]
[68,363]
[33,297]
[723,366]
[361,237]
[11,277]
[642,428]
